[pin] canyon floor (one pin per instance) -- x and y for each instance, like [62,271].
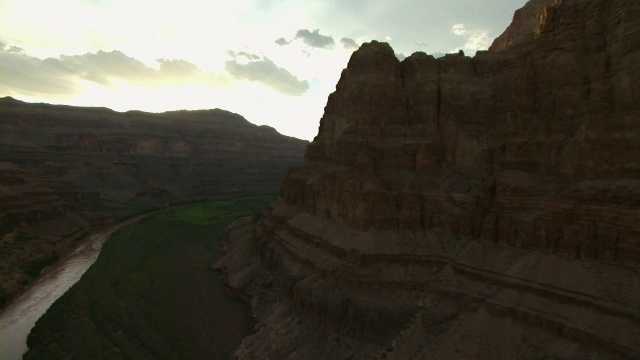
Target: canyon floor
[152,293]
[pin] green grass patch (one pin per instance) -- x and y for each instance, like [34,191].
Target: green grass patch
[217,212]
[152,294]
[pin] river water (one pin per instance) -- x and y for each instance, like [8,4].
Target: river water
[21,315]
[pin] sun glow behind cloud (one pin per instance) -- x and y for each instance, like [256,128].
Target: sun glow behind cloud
[194,54]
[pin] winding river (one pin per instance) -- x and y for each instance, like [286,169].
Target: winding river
[21,315]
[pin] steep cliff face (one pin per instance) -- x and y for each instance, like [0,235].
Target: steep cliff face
[463,207]
[552,125]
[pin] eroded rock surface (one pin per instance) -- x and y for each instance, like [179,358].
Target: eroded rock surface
[139,157]
[463,208]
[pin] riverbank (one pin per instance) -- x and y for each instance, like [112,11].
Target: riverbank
[17,320]
[151,293]
[36,234]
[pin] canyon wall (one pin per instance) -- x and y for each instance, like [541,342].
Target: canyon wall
[139,157]
[66,170]
[463,208]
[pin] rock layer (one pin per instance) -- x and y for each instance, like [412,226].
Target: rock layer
[63,168]
[142,157]
[463,207]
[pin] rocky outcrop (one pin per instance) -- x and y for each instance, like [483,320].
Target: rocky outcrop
[471,208]
[63,170]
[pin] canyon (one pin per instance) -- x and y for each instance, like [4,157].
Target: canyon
[482,207]
[65,171]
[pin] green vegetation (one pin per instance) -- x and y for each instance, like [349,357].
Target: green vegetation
[152,294]
[217,212]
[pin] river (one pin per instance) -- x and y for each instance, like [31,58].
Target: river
[21,315]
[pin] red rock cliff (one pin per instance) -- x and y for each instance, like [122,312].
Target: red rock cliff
[535,146]
[468,208]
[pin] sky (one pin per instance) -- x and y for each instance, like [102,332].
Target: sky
[272,61]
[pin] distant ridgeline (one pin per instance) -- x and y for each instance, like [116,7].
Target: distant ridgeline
[64,169]
[148,158]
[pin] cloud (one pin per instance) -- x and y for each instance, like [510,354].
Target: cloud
[476,39]
[314,38]
[252,67]
[177,68]
[59,76]
[99,67]
[67,75]
[281,41]
[32,76]
[348,43]
[459,29]
[242,54]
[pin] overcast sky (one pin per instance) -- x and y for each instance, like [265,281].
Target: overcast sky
[272,61]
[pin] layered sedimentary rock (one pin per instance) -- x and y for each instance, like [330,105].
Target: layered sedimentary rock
[147,158]
[63,168]
[471,208]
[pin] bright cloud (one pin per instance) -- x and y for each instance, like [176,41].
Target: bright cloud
[273,61]
[246,66]
[62,75]
[476,38]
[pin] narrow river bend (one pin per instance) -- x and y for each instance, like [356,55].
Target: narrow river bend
[21,315]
